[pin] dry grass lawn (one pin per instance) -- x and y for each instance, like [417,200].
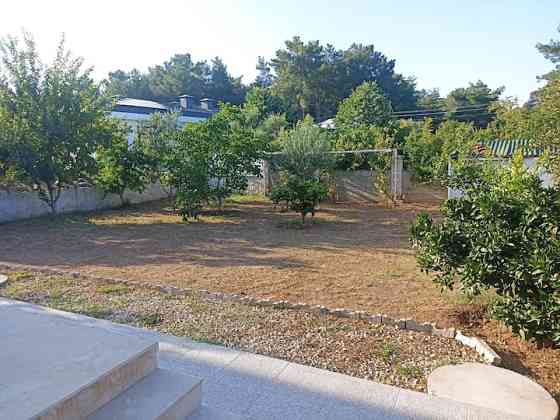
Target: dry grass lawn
[351,256]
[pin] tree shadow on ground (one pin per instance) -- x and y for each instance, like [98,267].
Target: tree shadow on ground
[245,235]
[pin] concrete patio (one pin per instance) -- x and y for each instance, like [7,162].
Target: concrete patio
[237,385]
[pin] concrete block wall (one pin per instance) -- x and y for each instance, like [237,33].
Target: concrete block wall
[25,205]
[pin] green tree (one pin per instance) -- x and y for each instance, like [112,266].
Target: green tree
[188,170]
[223,86]
[428,152]
[264,78]
[365,106]
[362,63]
[52,118]
[156,139]
[551,51]
[304,151]
[176,76]
[313,79]
[212,159]
[472,103]
[430,99]
[235,151]
[545,125]
[122,166]
[501,235]
[260,103]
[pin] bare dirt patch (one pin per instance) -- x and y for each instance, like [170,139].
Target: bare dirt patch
[352,256]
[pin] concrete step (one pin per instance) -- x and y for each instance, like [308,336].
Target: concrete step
[162,395]
[60,366]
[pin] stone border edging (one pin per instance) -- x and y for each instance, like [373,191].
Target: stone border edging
[479,345]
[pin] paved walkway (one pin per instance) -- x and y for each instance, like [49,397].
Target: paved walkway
[244,386]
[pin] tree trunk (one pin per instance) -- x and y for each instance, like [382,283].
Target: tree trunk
[53,196]
[123,201]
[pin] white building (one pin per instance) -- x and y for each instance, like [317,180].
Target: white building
[136,111]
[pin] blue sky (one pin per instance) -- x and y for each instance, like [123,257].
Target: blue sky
[443,44]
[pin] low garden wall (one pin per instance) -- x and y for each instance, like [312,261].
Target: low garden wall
[25,205]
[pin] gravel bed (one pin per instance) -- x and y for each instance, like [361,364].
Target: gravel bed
[353,347]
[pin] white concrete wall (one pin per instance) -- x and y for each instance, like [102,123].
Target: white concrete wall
[25,205]
[531,163]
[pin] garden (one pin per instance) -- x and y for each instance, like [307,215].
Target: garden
[486,263]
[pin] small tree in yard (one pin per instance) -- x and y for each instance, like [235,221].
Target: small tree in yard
[122,166]
[503,235]
[156,139]
[52,119]
[212,160]
[303,161]
[188,171]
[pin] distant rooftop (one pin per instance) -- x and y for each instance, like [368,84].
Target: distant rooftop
[141,103]
[507,148]
[328,124]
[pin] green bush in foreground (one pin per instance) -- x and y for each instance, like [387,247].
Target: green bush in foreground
[502,235]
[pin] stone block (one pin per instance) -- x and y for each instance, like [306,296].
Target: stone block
[444,332]
[487,352]
[386,320]
[342,313]
[359,315]
[413,325]
[375,319]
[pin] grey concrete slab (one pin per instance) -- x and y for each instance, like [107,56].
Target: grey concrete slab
[211,413]
[201,361]
[318,394]
[416,405]
[238,386]
[62,365]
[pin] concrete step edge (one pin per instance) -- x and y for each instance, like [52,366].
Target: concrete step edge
[106,387]
[162,395]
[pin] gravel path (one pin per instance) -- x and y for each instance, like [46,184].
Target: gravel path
[380,353]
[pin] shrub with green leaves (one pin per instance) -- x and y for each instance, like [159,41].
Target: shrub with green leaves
[302,196]
[122,167]
[304,161]
[501,235]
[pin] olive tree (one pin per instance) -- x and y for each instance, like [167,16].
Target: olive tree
[303,161]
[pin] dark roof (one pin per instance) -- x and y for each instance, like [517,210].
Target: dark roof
[142,106]
[507,148]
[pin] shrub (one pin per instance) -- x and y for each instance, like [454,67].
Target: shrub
[122,166]
[302,196]
[303,162]
[503,234]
